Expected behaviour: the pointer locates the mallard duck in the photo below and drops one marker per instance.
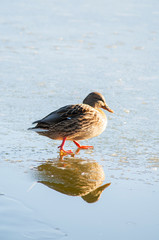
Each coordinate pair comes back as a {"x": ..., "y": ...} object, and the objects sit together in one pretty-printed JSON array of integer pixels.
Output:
[{"x": 75, "y": 122}]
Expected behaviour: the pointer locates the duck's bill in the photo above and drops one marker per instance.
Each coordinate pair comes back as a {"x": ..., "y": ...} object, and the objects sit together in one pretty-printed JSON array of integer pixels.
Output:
[{"x": 107, "y": 108}]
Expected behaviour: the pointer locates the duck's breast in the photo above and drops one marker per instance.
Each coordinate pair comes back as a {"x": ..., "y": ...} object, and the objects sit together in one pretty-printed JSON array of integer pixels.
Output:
[
  {"x": 101, "y": 122},
  {"x": 95, "y": 126}
]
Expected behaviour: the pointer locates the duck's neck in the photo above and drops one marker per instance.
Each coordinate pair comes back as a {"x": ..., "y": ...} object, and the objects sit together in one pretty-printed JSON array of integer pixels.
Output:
[{"x": 100, "y": 110}]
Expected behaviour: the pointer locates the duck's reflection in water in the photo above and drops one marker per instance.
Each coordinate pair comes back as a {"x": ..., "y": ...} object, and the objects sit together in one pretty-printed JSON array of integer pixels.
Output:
[{"x": 74, "y": 177}]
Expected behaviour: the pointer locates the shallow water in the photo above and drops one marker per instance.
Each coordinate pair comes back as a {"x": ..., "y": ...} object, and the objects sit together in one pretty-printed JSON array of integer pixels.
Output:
[{"x": 54, "y": 53}]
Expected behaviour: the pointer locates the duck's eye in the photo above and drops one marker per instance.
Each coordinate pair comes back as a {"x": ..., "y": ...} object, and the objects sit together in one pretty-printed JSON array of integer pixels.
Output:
[{"x": 101, "y": 102}]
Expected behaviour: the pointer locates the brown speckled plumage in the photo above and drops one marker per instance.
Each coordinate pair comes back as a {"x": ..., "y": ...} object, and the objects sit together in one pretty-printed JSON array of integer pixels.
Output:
[{"x": 75, "y": 122}]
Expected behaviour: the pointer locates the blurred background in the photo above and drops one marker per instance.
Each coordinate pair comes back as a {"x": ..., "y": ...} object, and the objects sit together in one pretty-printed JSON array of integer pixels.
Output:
[{"x": 53, "y": 53}]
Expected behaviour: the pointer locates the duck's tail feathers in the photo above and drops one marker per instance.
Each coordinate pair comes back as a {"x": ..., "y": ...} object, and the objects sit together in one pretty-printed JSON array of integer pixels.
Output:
[
  {"x": 40, "y": 127},
  {"x": 36, "y": 129}
]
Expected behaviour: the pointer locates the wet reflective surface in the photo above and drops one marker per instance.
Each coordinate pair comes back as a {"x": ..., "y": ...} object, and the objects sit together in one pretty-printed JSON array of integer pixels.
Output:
[
  {"x": 54, "y": 53},
  {"x": 74, "y": 177}
]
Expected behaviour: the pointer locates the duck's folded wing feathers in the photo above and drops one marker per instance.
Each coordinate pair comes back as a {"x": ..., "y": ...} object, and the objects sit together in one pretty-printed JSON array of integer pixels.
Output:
[{"x": 64, "y": 113}]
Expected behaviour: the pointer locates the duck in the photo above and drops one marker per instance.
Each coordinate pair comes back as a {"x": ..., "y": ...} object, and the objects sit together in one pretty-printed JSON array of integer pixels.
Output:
[{"x": 75, "y": 122}]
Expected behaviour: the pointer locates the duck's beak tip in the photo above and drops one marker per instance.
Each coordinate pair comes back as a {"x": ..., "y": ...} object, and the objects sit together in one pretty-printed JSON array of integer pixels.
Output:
[{"x": 108, "y": 109}]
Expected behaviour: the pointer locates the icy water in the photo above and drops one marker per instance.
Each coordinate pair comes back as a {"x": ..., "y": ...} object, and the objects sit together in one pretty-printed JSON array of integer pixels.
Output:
[{"x": 54, "y": 53}]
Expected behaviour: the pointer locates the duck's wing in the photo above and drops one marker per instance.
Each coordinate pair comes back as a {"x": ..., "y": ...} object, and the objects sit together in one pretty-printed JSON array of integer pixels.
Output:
[{"x": 62, "y": 114}]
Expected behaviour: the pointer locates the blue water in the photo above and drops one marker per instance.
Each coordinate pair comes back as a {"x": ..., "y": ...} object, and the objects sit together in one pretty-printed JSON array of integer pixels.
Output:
[{"x": 54, "y": 53}]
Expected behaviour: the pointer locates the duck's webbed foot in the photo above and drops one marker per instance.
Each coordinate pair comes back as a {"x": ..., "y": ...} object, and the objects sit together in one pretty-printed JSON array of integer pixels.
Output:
[
  {"x": 82, "y": 147},
  {"x": 62, "y": 151}
]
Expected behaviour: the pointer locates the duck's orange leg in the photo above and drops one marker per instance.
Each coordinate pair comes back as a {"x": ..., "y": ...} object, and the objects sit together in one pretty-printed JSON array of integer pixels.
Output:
[
  {"x": 61, "y": 147},
  {"x": 82, "y": 147}
]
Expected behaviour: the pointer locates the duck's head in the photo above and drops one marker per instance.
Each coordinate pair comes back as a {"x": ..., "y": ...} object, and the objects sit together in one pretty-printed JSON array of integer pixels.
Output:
[{"x": 97, "y": 100}]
